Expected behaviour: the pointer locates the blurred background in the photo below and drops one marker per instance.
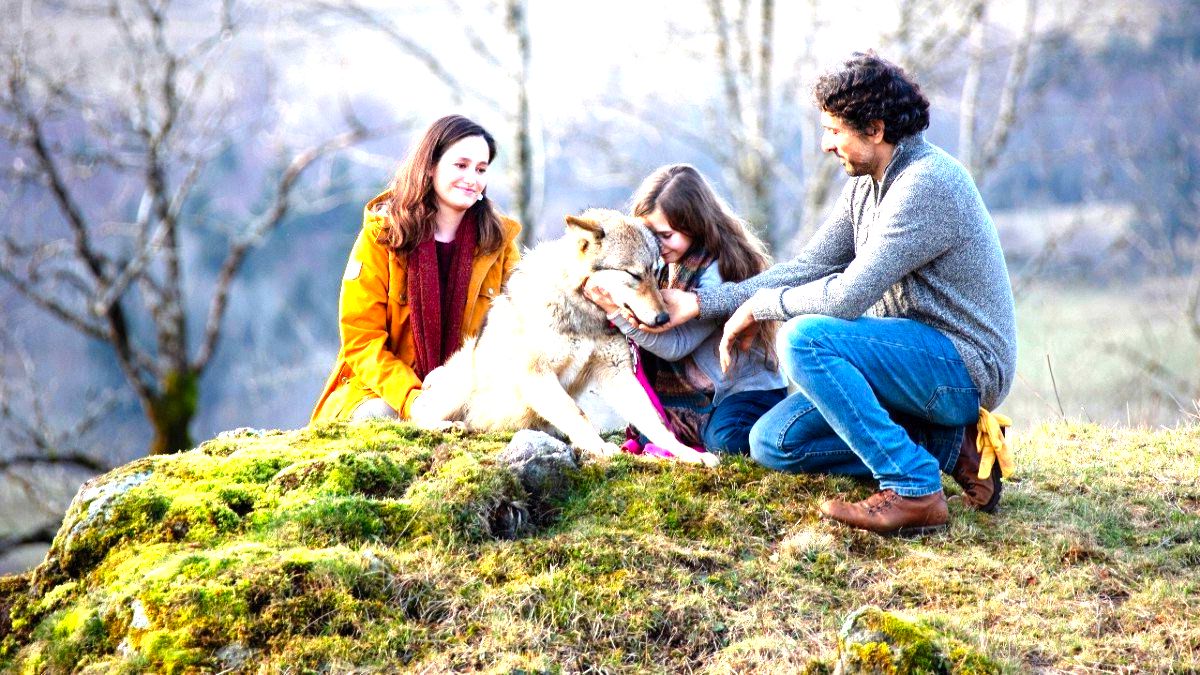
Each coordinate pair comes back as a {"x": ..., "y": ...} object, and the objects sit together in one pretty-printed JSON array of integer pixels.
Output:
[{"x": 180, "y": 184}]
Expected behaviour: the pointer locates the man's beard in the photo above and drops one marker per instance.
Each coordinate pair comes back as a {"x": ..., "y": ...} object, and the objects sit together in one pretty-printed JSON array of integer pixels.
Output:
[{"x": 855, "y": 169}]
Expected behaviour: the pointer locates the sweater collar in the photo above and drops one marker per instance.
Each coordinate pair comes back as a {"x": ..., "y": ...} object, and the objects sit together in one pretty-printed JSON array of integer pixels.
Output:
[{"x": 907, "y": 149}]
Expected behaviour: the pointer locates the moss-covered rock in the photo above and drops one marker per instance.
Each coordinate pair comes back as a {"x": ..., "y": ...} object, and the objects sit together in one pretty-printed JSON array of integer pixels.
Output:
[
  {"x": 873, "y": 641},
  {"x": 255, "y": 544},
  {"x": 379, "y": 548}
]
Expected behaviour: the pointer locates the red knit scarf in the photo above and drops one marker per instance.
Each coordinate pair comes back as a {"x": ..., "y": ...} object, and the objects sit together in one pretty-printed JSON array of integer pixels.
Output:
[{"x": 434, "y": 336}]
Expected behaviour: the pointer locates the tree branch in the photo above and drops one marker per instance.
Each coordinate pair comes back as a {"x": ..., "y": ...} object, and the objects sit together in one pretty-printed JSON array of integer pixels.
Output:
[
  {"x": 42, "y": 535},
  {"x": 1193, "y": 311},
  {"x": 733, "y": 102},
  {"x": 356, "y": 12},
  {"x": 77, "y": 459},
  {"x": 968, "y": 103},
  {"x": 258, "y": 232},
  {"x": 1007, "y": 116}
]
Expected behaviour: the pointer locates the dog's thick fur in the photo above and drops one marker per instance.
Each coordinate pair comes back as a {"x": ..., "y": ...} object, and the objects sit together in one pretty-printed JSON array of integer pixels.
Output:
[{"x": 545, "y": 343}]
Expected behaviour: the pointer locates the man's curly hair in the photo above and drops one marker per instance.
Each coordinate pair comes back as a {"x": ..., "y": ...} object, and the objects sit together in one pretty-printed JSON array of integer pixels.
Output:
[{"x": 870, "y": 88}]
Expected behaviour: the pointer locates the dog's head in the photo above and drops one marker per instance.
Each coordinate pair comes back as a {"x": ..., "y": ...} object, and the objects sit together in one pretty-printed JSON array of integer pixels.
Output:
[{"x": 623, "y": 256}]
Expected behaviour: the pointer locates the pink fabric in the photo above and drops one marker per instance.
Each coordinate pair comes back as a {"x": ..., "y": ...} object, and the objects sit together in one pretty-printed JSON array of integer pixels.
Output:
[{"x": 632, "y": 445}]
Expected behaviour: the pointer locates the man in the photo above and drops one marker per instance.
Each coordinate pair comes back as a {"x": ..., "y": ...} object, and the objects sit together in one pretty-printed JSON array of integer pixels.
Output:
[{"x": 899, "y": 315}]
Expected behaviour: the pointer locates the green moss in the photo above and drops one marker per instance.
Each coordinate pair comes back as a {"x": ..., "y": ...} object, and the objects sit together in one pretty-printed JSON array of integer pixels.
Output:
[
  {"x": 376, "y": 547},
  {"x": 875, "y": 641},
  {"x": 326, "y": 520},
  {"x": 370, "y": 473},
  {"x": 130, "y": 517},
  {"x": 73, "y": 637},
  {"x": 465, "y": 500}
]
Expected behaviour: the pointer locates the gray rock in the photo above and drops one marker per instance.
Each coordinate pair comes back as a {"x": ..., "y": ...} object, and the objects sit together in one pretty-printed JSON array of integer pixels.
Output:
[
  {"x": 234, "y": 655},
  {"x": 139, "y": 620},
  {"x": 241, "y": 432},
  {"x": 540, "y": 461},
  {"x": 98, "y": 493}
]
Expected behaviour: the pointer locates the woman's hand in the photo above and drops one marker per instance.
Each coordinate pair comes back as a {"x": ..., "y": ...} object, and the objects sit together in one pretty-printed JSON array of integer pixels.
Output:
[
  {"x": 740, "y": 327},
  {"x": 683, "y": 306}
]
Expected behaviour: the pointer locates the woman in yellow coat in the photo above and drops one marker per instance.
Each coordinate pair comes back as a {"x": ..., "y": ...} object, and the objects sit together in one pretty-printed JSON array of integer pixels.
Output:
[{"x": 431, "y": 256}]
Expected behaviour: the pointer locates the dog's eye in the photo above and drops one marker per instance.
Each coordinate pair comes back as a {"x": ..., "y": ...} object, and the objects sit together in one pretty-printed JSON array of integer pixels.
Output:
[{"x": 635, "y": 275}]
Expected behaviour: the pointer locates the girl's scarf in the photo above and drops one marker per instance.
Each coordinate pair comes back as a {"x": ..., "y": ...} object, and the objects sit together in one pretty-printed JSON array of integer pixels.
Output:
[
  {"x": 685, "y": 392},
  {"x": 437, "y": 336}
]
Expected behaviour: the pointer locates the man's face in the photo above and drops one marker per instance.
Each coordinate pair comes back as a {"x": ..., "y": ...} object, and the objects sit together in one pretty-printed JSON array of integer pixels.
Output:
[{"x": 858, "y": 154}]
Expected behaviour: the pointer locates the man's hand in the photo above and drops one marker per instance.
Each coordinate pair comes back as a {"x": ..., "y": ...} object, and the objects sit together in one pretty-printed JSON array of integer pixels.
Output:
[
  {"x": 740, "y": 327},
  {"x": 683, "y": 306}
]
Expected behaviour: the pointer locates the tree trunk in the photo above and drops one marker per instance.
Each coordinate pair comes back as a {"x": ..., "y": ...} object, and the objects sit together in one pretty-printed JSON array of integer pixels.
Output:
[
  {"x": 171, "y": 413},
  {"x": 523, "y": 137}
]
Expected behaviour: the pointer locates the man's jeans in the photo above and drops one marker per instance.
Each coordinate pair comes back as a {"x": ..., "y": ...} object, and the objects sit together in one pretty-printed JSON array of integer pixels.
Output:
[{"x": 886, "y": 398}]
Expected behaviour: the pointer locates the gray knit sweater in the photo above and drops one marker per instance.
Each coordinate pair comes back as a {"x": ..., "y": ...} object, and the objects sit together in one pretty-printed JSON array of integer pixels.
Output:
[{"x": 920, "y": 245}]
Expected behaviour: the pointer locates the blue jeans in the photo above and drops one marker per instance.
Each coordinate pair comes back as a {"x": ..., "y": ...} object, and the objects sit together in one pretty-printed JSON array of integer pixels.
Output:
[
  {"x": 728, "y": 429},
  {"x": 886, "y": 398}
]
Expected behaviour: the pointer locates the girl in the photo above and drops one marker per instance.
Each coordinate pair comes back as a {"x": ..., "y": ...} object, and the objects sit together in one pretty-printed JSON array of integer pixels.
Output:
[
  {"x": 431, "y": 255},
  {"x": 703, "y": 244}
]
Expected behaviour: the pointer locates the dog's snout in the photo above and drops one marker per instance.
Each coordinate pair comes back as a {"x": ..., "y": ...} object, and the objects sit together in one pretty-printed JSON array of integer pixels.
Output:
[{"x": 662, "y": 318}]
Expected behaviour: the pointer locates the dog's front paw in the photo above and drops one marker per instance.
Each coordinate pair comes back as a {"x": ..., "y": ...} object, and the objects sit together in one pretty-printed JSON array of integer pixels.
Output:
[
  {"x": 443, "y": 426},
  {"x": 708, "y": 459},
  {"x": 604, "y": 449}
]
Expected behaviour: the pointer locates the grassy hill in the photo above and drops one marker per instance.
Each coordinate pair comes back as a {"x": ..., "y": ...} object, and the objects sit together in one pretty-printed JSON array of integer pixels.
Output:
[{"x": 379, "y": 548}]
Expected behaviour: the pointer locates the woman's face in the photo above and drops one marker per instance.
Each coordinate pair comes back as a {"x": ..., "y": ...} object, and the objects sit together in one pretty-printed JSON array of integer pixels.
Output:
[
  {"x": 461, "y": 174},
  {"x": 674, "y": 244}
]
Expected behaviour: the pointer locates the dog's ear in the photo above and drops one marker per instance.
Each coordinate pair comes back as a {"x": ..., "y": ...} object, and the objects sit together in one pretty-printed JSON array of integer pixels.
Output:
[
  {"x": 591, "y": 231},
  {"x": 587, "y": 224}
]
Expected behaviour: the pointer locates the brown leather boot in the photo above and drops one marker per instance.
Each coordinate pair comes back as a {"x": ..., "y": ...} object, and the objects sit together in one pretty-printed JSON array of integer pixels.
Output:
[
  {"x": 886, "y": 512},
  {"x": 981, "y": 494}
]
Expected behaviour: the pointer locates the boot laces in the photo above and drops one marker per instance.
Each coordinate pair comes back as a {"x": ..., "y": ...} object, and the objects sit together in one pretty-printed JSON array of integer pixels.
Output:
[{"x": 881, "y": 501}]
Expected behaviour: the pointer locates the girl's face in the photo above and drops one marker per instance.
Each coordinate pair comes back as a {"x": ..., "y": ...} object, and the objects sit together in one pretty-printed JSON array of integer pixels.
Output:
[
  {"x": 674, "y": 244},
  {"x": 461, "y": 174}
]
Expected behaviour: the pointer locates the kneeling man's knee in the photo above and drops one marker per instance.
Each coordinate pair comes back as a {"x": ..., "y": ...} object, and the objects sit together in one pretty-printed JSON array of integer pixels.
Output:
[
  {"x": 764, "y": 445},
  {"x": 797, "y": 334}
]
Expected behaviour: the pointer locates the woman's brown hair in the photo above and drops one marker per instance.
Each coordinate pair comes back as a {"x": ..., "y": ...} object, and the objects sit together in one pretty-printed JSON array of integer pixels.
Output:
[
  {"x": 413, "y": 203},
  {"x": 692, "y": 207}
]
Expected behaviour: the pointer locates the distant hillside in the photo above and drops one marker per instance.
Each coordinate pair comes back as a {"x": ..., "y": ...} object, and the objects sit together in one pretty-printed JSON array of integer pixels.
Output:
[{"x": 379, "y": 548}]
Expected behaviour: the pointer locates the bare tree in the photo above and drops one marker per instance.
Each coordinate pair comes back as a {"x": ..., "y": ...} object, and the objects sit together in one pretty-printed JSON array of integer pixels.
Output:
[
  {"x": 26, "y": 423},
  {"x": 981, "y": 157},
  {"x": 745, "y": 58},
  {"x": 511, "y": 67},
  {"x": 524, "y": 185},
  {"x": 155, "y": 133}
]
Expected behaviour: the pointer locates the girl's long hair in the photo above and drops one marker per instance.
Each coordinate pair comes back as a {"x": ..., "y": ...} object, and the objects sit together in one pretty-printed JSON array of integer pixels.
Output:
[
  {"x": 413, "y": 203},
  {"x": 692, "y": 207}
]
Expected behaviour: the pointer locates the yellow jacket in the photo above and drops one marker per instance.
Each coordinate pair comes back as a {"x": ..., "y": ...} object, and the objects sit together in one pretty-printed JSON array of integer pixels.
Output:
[{"x": 377, "y": 354}]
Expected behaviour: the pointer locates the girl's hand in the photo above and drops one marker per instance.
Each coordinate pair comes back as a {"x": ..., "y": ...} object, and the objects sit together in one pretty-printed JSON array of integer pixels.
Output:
[
  {"x": 741, "y": 328},
  {"x": 683, "y": 306},
  {"x": 601, "y": 297}
]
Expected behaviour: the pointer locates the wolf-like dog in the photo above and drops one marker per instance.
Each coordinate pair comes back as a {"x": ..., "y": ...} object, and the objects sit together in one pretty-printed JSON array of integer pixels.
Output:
[{"x": 545, "y": 343}]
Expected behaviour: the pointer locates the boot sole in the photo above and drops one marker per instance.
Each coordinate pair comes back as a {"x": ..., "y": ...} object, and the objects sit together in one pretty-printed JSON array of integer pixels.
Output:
[{"x": 906, "y": 532}]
